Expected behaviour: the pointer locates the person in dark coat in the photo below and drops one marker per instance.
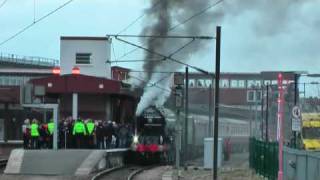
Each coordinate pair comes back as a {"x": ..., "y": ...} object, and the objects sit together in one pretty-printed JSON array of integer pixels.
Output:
[
  {"x": 123, "y": 133},
  {"x": 100, "y": 135},
  {"x": 109, "y": 131},
  {"x": 26, "y": 134}
]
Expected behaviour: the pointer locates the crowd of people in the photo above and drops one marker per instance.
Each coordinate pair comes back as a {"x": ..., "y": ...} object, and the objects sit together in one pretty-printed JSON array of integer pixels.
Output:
[{"x": 73, "y": 134}]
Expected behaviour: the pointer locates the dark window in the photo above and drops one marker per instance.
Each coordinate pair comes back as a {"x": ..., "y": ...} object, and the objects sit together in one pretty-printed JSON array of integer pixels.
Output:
[
  {"x": 250, "y": 96},
  {"x": 83, "y": 58}
]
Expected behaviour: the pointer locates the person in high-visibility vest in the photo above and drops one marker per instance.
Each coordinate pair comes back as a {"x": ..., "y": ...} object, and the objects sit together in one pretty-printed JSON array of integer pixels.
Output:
[
  {"x": 34, "y": 128},
  {"x": 91, "y": 131},
  {"x": 50, "y": 132},
  {"x": 79, "y": 131}
]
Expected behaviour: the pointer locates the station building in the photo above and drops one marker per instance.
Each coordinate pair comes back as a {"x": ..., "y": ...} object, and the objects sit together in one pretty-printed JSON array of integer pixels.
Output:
[{"x": 81, "y": 84}]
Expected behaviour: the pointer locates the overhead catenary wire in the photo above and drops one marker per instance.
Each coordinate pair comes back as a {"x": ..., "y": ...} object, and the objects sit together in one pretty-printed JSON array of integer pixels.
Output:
[
  {"x": 134, "y": 22},
  {"x": 155, "y": 60},
  {"x": 161, "y": 55},
  {"x": 137, "y": 19},
  {"x": 3, "y": 3},
  {"x": 135, "y": 60},
  {"x": 202, "y": 11},
  {"x": 35, "y": 22},
  {"x": 151, "y": 84}
]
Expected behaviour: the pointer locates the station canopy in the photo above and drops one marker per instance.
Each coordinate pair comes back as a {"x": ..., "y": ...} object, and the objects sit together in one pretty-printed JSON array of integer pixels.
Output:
[{"x": 79, "y": 83}]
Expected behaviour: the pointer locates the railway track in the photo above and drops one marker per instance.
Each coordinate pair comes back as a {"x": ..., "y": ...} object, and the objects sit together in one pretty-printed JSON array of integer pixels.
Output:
[
  {"x": 138, "y": 171},
  {"x": 121, "y": 173}
]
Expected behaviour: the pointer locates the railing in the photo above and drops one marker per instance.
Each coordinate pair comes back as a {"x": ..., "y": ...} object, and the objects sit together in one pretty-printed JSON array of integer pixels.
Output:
[
  {"x": 28, "y": 60},
  {"x": 263, "y": 158}
]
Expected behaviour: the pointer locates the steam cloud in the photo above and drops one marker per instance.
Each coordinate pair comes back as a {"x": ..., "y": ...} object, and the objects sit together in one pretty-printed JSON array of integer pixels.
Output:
[
  {"x": 271, "y": 17},
  {"x": 161, "y": 17}
]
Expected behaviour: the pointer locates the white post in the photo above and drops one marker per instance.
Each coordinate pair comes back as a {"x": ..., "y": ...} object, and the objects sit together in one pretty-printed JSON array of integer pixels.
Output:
[
  {"x": 55, "y": 132},
  {"x": 108, "y": 109},
  {"x": 75, "y": 105}
]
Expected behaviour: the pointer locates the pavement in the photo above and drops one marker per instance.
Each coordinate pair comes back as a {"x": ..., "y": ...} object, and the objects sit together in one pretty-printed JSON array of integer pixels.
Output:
[{"x": 237, "y": 168}]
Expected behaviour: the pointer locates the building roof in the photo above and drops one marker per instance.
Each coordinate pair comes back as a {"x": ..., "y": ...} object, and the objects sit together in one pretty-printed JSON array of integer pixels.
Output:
[
  {"x": 78, "y": 84},
  {"x": 84, "y": 38}
]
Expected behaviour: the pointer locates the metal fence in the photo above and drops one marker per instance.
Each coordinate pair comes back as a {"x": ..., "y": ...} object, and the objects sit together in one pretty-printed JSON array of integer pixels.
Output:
[
  {"x": 28, "y": 60},
  {"x": 300, "y": 164},
  {"x": 263, "y": 158}
]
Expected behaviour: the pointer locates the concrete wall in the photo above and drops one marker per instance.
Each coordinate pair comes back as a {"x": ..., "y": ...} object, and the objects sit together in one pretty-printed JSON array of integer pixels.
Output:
[
  {"x": 98, "y": 47},
  {"x": 300, "y": 164}
]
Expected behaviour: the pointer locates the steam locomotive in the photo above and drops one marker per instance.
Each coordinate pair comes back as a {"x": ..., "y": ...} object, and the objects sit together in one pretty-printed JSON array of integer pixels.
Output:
[{"x": 150, "y": 142}]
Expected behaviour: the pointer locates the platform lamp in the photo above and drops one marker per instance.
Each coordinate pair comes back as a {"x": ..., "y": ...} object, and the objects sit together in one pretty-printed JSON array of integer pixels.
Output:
[
  {"x": 75, "y": 70},
  {"x": 56, "y": 71}
]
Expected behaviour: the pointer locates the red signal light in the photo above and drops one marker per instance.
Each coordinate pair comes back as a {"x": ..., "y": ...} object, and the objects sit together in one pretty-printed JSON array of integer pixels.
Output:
[
  {"x": 56, "y": 70},
  {"x": 76, "y": 70}
]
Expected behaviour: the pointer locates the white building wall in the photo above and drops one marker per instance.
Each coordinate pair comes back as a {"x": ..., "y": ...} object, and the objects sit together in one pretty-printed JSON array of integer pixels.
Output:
[{"x": 99, "y": 47}]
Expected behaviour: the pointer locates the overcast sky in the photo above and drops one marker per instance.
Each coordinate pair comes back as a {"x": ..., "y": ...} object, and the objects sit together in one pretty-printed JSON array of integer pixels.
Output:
[{"x": 257, "y": 35}]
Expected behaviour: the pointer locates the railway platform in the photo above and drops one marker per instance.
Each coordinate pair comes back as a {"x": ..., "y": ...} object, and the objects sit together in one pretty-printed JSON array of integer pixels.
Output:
[{"x": 73, "y": 162}]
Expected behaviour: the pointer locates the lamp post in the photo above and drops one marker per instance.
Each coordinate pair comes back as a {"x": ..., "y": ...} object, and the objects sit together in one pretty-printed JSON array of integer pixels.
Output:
[
  {"x": 216, "y": 104},
  {"x": 280, "y": 124}
]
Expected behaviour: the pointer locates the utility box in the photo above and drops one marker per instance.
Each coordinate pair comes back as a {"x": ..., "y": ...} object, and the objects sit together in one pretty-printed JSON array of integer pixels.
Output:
[{"x": 208, "y": 153}]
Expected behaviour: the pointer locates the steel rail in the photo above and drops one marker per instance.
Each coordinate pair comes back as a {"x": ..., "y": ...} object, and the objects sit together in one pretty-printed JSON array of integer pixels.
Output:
[
  {"x": 138, "y": 171},
  {"x": 105, "y": 172}
]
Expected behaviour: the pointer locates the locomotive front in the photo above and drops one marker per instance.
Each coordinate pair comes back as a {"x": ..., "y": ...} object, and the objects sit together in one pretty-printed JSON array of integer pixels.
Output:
[{"x": 149, "y": 141}]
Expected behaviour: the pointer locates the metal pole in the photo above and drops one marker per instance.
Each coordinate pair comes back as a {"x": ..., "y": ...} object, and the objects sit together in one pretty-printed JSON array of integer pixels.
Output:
[
  {"x": 55, "y": 132},
  {"x": 186, "y": 115},
  {"x": 250, "y": 122},
  {"x": 256, "y": 115},
  {"x": 178, "y": 140},
  {"x": 216, "y": 104},
  {"x": 210, "y": 111},
  {"x": 280, "y": 125},
  {"x": 262, "y": 109},
  {"x": 267, "y": 114},
  {"x": 296, "y": 77}
]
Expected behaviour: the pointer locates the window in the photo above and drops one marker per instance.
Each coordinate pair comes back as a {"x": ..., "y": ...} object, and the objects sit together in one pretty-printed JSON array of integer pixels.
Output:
[
  {"x": 200, "y": 83},
  {"x": 254, "y": 83},
  {"x": 12, "y": 81},
  {"x": 267, "y": 82},
  {"x": 242, "y": 84},
  {"x": 224, "y": 83},
  {"x": 238, "y": 84},
  {"x": 6, "y": 81},
  {"x": 208, "y": 82},
  {"x": 191, "y": 83},
  {"x": 83, "y": 58},
  {"x": 251, "y": 83},
  {"x": 254, "y": 96},
  {"x": 250, "y": 96},
  {"x": 274, "y": 82},
  {"x": 234, "y": 84},
  {"x": 258, "y": 95},
  {"x": 258, "y": 83}
]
